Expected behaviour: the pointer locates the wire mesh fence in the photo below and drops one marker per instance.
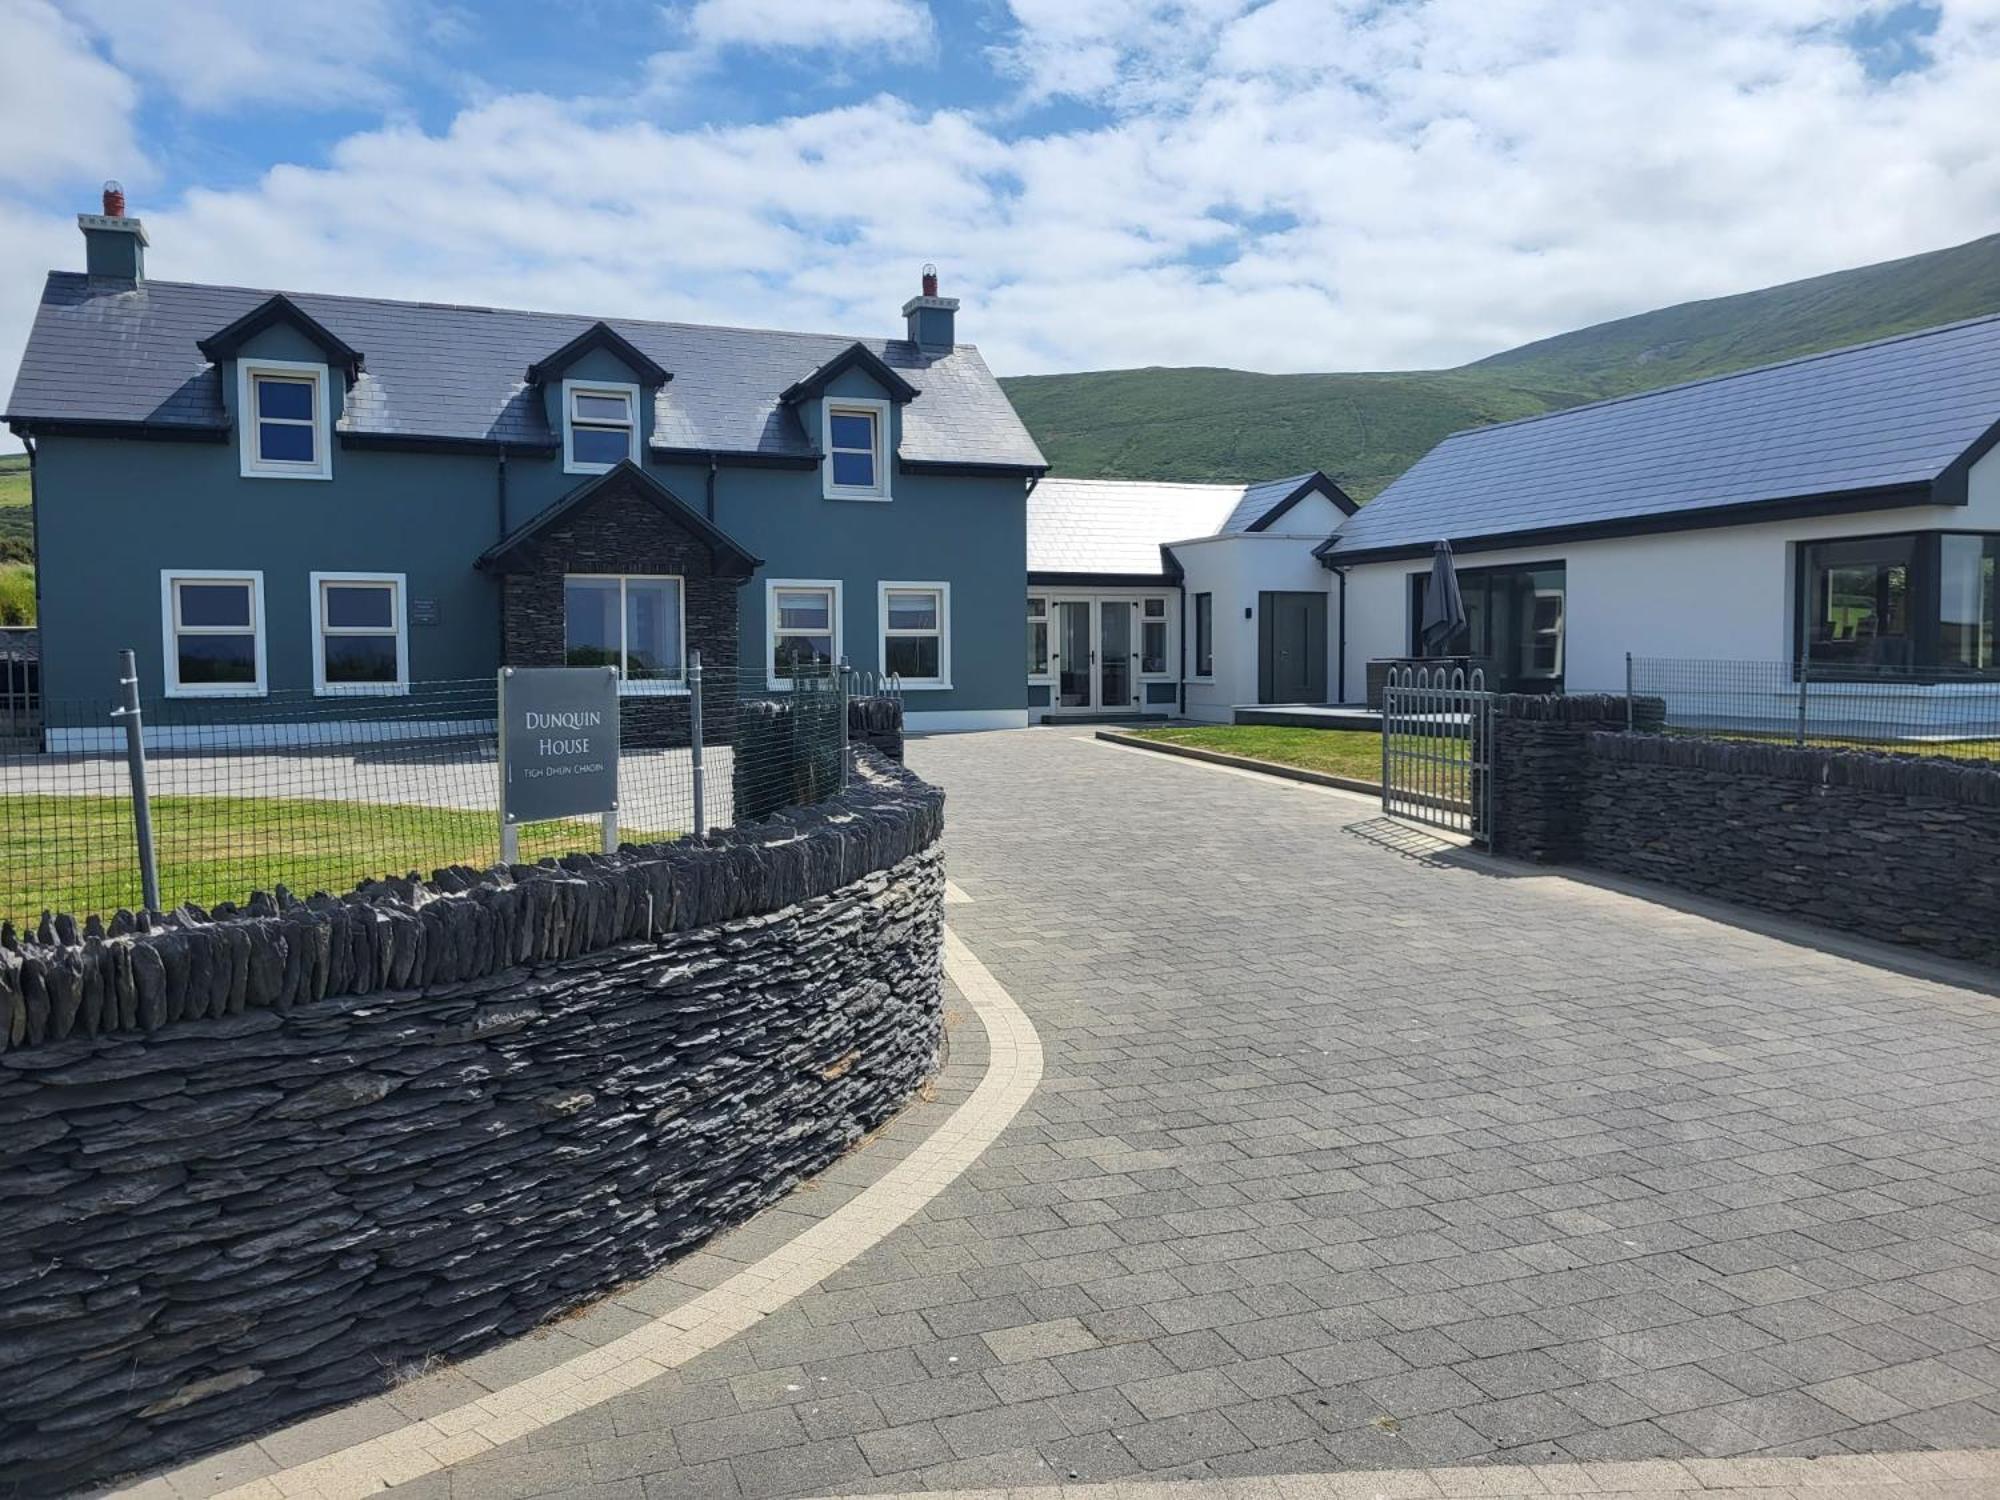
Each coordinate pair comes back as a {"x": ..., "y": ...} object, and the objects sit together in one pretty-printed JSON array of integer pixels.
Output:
[
  {"x": 321, "y": 791},
  {"x": 1897, "y": 709}
]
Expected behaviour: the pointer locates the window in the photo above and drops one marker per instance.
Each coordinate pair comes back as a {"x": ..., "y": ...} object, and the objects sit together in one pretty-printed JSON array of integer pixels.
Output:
[
  {"x": 1513, "y": 627},
  {"x": 282, "y": 410},
  {"x": 213, "y": 624},
  {"x": 1152, "y": 638},
  {"x": 1204, "y": 635},
  {"x": 916, "y": 633},
  {"x": 802, "y": 627},
  {"x": 359, "y": 644},
  {"x": 1917, "y": 600},
  {"x": 856, "y": 465},
  {"x": 1038, "y": 636},
  {"x": 600, "y": 426},
  {"x": 628, "y": 621}
]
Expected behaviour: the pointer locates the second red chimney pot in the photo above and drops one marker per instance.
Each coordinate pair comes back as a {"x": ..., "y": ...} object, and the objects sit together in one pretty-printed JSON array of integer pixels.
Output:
[
  {"x": 114, "y": 201},
  {"x": 930, "y": 281}
]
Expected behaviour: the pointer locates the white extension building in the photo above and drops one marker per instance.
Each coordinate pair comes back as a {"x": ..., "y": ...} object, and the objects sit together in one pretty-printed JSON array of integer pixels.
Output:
[
  {"x": 1156, "y": 599},
  {"x": 1840, "y": 510}
]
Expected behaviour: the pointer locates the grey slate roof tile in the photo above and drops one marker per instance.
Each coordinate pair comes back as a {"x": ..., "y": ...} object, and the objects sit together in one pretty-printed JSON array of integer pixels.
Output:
[
  {"x": 435, "y": 370},
  {"x": 1894, "y": 412},
  {"x": 1119, "y": 525}
]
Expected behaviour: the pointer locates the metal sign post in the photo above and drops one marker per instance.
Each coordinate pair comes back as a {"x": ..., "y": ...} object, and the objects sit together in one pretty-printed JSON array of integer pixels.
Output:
[{"x": 558, "y": 750}]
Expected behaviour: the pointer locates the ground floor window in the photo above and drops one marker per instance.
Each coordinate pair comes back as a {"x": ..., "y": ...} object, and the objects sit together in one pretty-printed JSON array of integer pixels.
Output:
[
  {"x": 1204, "y": 635},
  {"x": 359, "y": 643},
  {"x": 213, "y": 625},
  {"x": 1907, "y": 601},
  {"x": 916, "y": 633},
  {"x": 1513, "y": 624},
  {"x": 801, "y": 627},
  {"x": 1038, "y": 636},
  {"x": 632, "y": 622}
]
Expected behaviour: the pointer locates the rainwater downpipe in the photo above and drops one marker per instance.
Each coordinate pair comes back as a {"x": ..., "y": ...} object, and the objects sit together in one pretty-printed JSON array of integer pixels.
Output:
[
  {"x": 1340, "y": 668},
  {"x": 500, "y": 520},
  {"x": 711, "y": 489}
]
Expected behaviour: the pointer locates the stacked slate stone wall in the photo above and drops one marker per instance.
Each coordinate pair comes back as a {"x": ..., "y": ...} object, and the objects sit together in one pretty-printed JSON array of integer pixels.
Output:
[
  {"x": 255, "y": 1162},
  {"x": 1899, "y": 848},
  {"x": 877, "y": 723},
  {"x": 1541, "y": 766}
]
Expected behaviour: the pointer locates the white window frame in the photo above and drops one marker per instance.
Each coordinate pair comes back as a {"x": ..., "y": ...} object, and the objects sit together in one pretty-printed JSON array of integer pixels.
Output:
[
  {"x": 1166, "y": 624},
  {"x": 255, "y": 466},
  {"x": 943, "y": 631},
  {"x": 829, "y": 586},
  {"x": 400, "y": 617},
  {"x": 834, "y": 406},
  {"x": 573, "y": 388},
  {"x": 1047, "y": 622},
  {"x": 170, "y": 632},
  {"x": 1194, "y": 628},
  {"x": 644, "y": 687}
]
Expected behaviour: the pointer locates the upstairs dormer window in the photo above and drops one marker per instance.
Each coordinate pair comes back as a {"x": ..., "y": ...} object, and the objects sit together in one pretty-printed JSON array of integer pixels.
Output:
[
  {"x": 600, "y": 426},
  {"x": 856, "y": 446},
  {"x": 285, "y": 428}
]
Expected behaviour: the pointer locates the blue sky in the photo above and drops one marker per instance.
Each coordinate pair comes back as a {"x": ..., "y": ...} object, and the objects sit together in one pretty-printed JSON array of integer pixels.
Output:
[{"x": 1269, "y": 184}]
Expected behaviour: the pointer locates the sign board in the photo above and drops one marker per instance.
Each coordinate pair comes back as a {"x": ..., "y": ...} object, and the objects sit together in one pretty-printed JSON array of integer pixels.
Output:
[
  {"x": 558, "y": 743},
  {"x": 425, "y": 612}
]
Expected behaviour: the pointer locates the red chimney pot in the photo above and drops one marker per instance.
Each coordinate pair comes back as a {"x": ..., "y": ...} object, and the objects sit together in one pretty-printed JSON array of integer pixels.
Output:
[
  {"x": 930, "y": 280},
  {"x": 114, "y": 201}
]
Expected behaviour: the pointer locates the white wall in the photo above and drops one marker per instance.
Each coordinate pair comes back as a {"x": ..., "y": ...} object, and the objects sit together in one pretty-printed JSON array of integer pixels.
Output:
[
  {"x": 1235, "y": 569},
  {"x": 1724, "y": 593}
]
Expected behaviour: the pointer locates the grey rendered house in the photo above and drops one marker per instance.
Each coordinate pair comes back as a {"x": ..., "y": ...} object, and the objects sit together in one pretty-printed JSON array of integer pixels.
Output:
[{"x": 267, "y": 493}]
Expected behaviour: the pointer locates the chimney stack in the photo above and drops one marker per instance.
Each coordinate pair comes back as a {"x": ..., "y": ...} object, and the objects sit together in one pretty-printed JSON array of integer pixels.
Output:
[
  {"x": 114, "y": 246},
  {"x": 932, "y": 319}
]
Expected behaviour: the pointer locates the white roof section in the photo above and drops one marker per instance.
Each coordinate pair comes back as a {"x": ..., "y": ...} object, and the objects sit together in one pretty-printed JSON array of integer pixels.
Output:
[{"x": 1119, "y": 525}]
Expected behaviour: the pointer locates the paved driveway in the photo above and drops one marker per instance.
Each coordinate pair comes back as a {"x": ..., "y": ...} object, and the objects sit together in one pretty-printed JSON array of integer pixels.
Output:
[{"x": 1354, "y": 1154}]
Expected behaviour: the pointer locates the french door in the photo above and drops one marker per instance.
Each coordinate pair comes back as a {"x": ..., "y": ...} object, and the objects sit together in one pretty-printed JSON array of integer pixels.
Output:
[{"x": 1093, "y": 655}]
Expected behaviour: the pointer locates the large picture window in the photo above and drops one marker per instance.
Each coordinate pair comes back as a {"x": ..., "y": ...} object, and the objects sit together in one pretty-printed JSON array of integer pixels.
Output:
[
  {"x": 916, "y": 633},
  {"x": 213, "y": 624},
  {"x": 1513, "y": 624},
  {"x": 629, "y": 621},
  {"x": 802, "y": 628},
  {"x": 1909, "y": 602}
]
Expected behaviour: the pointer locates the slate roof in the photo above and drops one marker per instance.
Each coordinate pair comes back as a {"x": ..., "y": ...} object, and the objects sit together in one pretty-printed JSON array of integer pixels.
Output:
[
  {"x": 1897, "y": 413},
  {"x": 1119, "y": 525},
  {"x": 435, "y": 370}
]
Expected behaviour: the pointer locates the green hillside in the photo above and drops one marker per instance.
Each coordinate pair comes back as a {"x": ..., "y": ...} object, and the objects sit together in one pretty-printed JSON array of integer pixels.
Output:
[{"x": 1365, "y": 429}]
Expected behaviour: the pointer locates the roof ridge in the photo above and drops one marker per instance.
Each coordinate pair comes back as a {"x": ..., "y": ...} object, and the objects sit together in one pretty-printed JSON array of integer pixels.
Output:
[
  {"x": 1687, "y": 385},
  {"x": 524, "y": 312},
  {"x": 1179, "y": 484}
]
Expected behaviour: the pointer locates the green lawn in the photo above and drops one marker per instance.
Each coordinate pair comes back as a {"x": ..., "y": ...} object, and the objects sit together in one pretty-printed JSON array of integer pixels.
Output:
[
  {"x": 77, "y": 854},
  {"x": 1338, "y": 752}
]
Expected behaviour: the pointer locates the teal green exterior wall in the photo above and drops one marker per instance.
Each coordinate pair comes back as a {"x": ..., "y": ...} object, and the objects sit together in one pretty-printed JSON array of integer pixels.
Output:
[{"x": 115, "y": 513}]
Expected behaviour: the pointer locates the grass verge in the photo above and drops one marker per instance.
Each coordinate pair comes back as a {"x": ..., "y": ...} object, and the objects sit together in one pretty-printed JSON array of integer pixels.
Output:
[
  {"x": 1356, "y": 753},
  {"x": 77, "y": 854}
]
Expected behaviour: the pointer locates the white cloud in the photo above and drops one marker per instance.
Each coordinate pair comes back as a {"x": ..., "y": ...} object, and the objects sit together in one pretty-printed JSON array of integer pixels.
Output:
[
  {"x": 64, "y": 111},
  {"x": 888, "y": 28},
  {"x": 220, "y": 54}
]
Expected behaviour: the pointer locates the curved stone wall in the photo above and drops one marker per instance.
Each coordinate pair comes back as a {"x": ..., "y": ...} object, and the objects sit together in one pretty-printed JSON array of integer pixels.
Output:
[{"x": 252, "y": 1164}]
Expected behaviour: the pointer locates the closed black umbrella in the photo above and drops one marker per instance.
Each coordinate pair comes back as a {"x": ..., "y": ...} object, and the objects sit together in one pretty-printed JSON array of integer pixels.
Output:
[{"x": 1444, "y": 607}]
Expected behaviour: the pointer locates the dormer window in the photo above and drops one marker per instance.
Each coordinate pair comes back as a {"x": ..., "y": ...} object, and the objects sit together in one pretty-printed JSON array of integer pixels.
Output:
[
  {"x": 855, "y": 442},
  {"x": 600, "y": 426},
  {"x": 284, "y": 421}
]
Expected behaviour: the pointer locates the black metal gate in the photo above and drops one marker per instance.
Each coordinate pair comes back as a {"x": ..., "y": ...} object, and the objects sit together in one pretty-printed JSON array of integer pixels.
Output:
[{"x": 1437, "y": 755}]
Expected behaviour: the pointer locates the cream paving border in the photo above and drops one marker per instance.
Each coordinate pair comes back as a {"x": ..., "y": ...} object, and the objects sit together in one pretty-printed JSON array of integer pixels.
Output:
[
  {"x": 1963, "y": 1475},
  {"x": 673, "y": 1337}
]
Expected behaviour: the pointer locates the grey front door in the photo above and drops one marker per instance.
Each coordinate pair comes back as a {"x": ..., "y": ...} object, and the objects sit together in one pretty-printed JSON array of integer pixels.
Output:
[{"x": 1291, "y": 648}]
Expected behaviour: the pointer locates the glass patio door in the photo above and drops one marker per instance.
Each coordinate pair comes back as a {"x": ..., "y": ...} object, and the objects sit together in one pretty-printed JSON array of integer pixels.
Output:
[
  {"x": 1114, "y": 654},
  {"x": 1075, "y": 662}
]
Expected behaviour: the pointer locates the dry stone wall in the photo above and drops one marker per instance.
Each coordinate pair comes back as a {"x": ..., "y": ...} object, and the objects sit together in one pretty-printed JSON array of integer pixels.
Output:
[{"x": 255, "y": 1163}]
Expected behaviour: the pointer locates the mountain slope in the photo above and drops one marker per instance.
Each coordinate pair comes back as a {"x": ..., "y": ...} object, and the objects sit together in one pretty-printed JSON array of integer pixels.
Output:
[{"x": 1364, "y": 429}]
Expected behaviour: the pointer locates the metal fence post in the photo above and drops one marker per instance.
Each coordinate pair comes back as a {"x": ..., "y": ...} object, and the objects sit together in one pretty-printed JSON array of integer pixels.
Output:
[
  {"x": 135, "y": 762},
  {"x": 1805, "y": 675},
  {"x": 510, "y": 832},
  {"x": 609, "y": 820},
  {"x": 843, "y": 669},
  {"x": 1630, "y": 719},
  {"x": 694, "y": 744}
]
